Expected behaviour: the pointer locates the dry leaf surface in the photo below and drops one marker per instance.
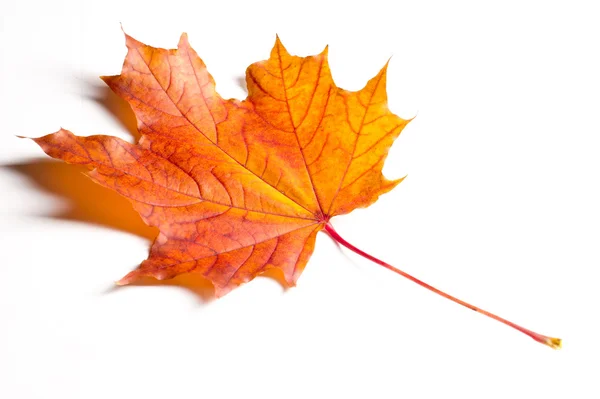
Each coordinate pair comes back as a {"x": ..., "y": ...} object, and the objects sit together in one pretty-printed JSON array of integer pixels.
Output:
[{"x": 238, "y": 187}]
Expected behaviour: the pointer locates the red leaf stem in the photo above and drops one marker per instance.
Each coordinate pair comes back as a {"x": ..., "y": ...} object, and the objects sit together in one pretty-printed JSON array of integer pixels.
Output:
[{"x": 554, "y": 343}]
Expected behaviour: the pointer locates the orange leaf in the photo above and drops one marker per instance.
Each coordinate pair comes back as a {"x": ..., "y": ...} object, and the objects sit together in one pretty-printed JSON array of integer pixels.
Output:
[{"x": 238, "y": 187}]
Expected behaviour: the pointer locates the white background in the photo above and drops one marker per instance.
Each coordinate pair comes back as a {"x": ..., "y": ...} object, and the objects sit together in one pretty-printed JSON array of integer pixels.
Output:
[{"x": 500, "y": 208}]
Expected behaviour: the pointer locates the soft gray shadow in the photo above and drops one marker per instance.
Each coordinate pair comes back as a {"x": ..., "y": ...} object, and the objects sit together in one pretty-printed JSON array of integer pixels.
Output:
[
  {"x": 115, "y": 106},
  {"x": 196, "y": 284},
  {"x": 241, "y": 82},
  {"x": 89, "y": 202},
  {"x": 86, "y": 201}
]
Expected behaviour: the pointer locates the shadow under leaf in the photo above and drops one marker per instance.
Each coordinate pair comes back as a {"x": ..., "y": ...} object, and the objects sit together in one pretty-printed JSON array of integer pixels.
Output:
[
  {"x": 86, "y": 201},
  {"x": 89, "y": 202},
  {"x": 194, "y": 283},
  {"x": 117, "y": 107},
  {"x": 241, "y": 82}
]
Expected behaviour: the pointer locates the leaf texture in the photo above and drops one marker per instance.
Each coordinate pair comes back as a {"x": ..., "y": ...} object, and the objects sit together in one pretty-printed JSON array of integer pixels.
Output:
[{"x": 238, "y": 187}]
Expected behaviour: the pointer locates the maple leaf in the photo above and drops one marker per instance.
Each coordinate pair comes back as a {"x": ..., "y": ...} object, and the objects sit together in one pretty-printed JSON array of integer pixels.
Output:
[{"x": 240, "y": 187}]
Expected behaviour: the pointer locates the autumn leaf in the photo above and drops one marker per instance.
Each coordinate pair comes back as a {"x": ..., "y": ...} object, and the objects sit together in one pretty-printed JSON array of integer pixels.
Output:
[{"x": 240, "y": 187}]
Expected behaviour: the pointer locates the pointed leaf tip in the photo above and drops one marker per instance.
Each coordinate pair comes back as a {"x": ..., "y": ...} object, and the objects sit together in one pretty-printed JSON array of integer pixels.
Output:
[
  {"x": 121, "y": 282},
  {"x": 387, "y": 63},
  {"x": 183, "y": 40},
  {"x": 278, "y": 48}
]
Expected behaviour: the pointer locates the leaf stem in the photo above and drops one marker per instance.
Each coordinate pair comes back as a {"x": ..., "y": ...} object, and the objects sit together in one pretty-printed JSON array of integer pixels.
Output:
[{"x": 554, "y": 343}]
